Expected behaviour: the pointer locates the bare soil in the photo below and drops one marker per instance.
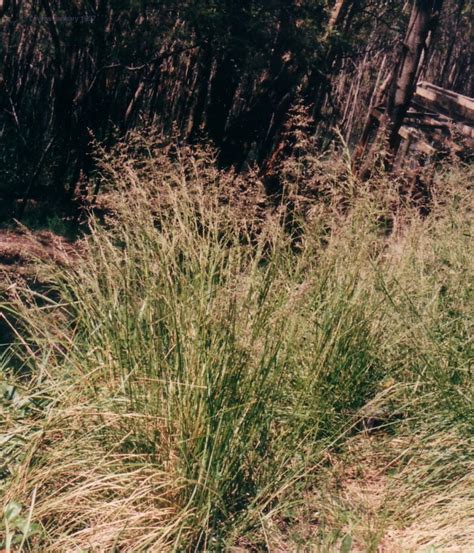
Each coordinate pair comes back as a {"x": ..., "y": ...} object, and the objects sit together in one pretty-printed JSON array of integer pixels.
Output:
[
  {"x": 22, "y": 253},
  {"x": 21, "y": 250}
]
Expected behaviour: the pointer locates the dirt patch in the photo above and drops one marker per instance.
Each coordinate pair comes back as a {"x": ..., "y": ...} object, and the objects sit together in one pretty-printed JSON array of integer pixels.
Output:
[
  {"x": 21, "y": 250},
  {"x": 22, "y": 253}
]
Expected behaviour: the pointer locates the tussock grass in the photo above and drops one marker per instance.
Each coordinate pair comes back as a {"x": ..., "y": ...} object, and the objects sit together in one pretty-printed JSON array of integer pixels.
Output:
[{"x": 195, "y": 381}]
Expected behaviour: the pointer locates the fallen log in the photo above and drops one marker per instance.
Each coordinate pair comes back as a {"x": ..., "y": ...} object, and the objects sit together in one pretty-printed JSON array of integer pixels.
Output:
[{"x": 445, "y": 101}]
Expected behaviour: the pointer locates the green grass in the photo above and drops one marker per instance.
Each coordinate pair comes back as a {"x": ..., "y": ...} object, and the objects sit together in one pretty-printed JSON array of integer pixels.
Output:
[{"x": 199, "y": 379}]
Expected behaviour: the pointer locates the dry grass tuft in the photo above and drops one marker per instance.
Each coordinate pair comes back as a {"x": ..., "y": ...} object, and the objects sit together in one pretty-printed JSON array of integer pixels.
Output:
[{"x": 216, "y": 374}]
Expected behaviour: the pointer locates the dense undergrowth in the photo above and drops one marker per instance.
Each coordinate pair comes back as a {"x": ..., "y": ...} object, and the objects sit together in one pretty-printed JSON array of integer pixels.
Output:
[{"x": 203, "y": 379}]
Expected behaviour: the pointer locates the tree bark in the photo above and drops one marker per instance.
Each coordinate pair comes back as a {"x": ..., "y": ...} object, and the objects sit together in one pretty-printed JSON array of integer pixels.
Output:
[{"x": 423, "y": 19}]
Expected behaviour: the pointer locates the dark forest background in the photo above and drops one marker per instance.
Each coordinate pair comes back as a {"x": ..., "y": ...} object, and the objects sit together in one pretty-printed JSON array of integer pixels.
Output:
[{"x": 224, "y": 71}]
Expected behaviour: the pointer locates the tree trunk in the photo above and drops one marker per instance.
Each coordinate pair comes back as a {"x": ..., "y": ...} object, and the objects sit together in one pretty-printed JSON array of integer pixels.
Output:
[
  {"x": 318, "y": 86},
  {"x": 448, "y": 61},
  {"x": 424, "y": 18},
  {"x": 338, "y": 13},
  {"x": 4, "y": 4}
]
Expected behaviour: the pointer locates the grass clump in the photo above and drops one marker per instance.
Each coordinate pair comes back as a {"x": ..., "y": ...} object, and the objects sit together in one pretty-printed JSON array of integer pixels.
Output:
[{"x": 200, "y": 376}]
